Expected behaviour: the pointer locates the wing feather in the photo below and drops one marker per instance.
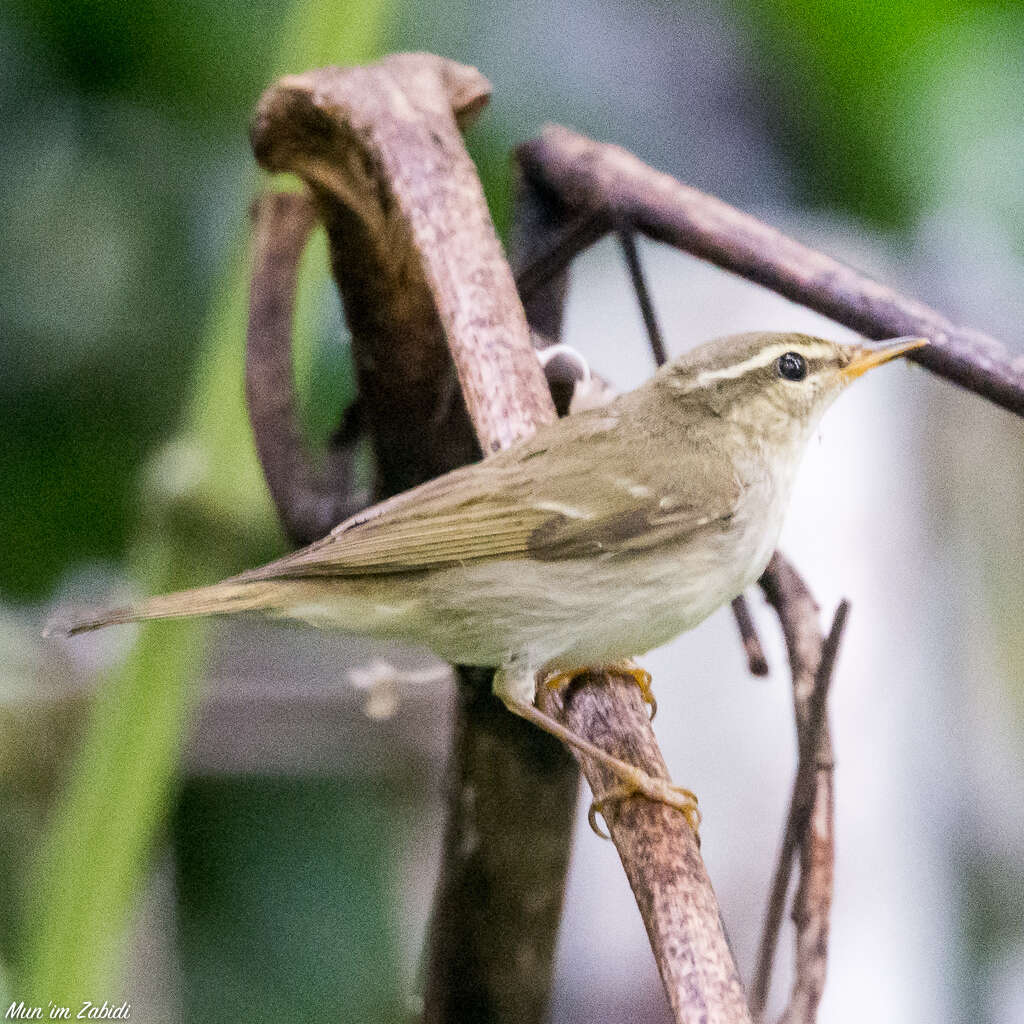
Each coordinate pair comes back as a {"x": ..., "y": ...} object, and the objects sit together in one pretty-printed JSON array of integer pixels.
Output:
[{"x": 539, "y": 500}]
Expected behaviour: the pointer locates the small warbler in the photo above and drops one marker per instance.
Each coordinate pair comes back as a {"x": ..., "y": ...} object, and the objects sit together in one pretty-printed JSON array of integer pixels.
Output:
[{"x": 604, "y": 535}]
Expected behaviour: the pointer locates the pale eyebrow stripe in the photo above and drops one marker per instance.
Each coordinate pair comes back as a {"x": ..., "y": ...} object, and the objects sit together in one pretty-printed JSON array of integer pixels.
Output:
[{"x": 757, "y": 362}]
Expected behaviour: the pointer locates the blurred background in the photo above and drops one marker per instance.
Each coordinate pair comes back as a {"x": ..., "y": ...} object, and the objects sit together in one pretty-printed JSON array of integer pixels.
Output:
[{"x": 212, "y": 822}]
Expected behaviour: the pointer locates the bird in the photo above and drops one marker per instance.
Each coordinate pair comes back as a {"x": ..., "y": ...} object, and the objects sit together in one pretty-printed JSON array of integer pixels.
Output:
[{"x": 602, "y": 536}]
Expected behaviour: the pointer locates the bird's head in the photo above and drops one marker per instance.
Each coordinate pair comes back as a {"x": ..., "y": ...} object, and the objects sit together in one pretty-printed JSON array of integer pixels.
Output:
[{"x": 776, "y": 385}]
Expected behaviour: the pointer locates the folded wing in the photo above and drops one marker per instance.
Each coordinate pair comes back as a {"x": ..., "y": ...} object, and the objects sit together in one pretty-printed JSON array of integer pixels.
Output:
[{"x": 543, "y": 500}]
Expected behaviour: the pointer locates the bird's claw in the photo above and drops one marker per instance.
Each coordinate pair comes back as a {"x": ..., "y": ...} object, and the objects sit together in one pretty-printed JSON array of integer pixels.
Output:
[
  {"x": 658, "y": 790},
  {"x": 639, "y": 675},
  {"x": 642, "y": 678}
]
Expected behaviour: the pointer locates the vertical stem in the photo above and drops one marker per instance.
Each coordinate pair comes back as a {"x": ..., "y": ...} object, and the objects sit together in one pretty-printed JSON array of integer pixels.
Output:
[
  {"x": 627, "y": 240},
  {"x": 512, "y": 794}
]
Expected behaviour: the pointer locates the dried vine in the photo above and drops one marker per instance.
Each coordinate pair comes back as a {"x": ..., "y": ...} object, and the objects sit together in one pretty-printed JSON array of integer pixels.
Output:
[{"x": 418, "y": 265}]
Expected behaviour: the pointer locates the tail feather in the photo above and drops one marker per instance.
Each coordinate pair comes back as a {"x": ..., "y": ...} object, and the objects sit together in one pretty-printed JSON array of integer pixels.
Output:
[{"x": 218, "y": 599}]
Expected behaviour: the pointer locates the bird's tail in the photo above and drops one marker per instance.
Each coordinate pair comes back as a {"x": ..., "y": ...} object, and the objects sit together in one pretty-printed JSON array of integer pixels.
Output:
[{"x": 218, "y": 599}]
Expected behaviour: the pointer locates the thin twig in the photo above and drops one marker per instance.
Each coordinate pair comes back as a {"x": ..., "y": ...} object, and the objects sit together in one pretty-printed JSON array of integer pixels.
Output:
[
  {"x": 816, "y": 702},
  {"x": 560, "y": 248},
  {"x": 612, "y": 185},
  {"x": 809, "y": 822},
  {"x": 757, "y": 663},
  {"x": 812, "y": 903},
  {"x": 627, "y": 241}
]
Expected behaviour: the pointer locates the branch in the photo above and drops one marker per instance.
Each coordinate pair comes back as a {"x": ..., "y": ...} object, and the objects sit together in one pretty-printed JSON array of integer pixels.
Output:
[
  {"x": 660, "y": 854},
  {"x": 627, "y": 241},
  {"x": 309, "y": 503},
  {"x": 659, "y": 851},
  {"x": 812, "y": 904},
  {"x": 602, "y": 185},
  {"x": 413, "y": 412},
  {"x": 416, "y": 260},
  {"x": 757, "y": 663},
  {"x": 809, "y": 827}
]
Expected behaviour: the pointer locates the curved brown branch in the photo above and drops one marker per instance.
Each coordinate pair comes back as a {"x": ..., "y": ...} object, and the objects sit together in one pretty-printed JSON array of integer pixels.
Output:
[
  {"x": 323, "y": 126},
  {"x": 308, "y": 502},
  {"x": 380, "y": 148},
  {"x": 416, "y": 259},
  {"x": 809, "y": 829},
  {"x": 611, "y": 185}
]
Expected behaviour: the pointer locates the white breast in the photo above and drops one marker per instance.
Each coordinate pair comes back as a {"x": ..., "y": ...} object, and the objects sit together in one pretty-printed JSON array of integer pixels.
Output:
[{"x": 569, "y": 614}]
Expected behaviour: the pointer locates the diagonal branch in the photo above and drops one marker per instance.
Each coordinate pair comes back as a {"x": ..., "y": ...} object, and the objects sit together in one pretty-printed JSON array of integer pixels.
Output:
[
  {"x": 660, "y": 854},
  {"x": 809, "y": 829},
  {"x": 609, "y": 185}
]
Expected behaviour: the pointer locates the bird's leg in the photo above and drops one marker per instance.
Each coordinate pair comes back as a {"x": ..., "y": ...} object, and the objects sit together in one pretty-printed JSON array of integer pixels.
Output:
[
  {"x": 515, "y": 691},
  {"x": 633, "y": 781},
  {"x": 626, "y": 667}
]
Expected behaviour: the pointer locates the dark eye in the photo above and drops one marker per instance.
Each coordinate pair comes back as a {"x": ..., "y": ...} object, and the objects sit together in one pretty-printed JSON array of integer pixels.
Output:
[{"x": 792, "y": 366}]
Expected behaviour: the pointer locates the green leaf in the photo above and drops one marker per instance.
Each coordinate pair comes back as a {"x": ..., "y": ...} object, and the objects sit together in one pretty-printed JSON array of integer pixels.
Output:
[{"x": 204, "y": 487}]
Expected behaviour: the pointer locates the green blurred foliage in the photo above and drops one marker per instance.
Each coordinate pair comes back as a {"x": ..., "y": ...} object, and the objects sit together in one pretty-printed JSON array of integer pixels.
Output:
[
  {"x": 880, "y": 105},
  {"x": 122, "y": 284},
  {"x": 125, "y": 160},
  {"x": 187, "y": 518},
  {"x": 197, "y": 61},
  {"x": 317, "y": 932},
  {"x": 128, "y": 178}
]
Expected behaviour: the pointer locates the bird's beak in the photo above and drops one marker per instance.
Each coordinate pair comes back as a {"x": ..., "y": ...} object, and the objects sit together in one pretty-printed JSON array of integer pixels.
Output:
[{"x": 871, "y": 354}]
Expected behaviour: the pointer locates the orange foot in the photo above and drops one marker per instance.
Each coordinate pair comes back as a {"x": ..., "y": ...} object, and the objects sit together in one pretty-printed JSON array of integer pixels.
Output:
[
  {"x": 682, "y": 799},
  {"x": 627, "y": 667}
]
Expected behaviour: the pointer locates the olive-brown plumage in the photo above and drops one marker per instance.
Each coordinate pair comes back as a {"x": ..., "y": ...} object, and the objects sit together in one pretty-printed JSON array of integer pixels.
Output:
[{"x": 602, "y": 536}]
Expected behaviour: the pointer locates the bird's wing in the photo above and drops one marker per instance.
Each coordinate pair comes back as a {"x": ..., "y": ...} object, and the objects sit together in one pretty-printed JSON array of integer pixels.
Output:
[
  {"x": 538, "y": 500},
  {"x": 618, "y": 527}
]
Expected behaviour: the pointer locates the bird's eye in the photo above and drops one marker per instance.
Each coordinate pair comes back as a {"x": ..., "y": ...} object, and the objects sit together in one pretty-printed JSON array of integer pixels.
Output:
[{"x": 791, "y": 366}]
